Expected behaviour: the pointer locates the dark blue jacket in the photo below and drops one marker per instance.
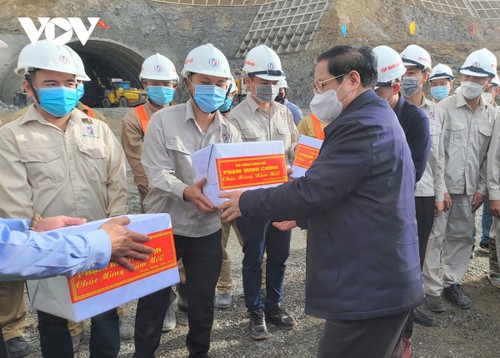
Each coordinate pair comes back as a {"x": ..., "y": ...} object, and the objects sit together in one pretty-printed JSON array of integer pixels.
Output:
[
  {"x": 415, "y": 124},
  {"x": 362, "y": 246}
]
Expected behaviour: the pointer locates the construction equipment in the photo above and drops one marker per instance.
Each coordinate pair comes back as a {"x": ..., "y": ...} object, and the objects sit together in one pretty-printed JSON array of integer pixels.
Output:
[{"x": 122, "y": 95}]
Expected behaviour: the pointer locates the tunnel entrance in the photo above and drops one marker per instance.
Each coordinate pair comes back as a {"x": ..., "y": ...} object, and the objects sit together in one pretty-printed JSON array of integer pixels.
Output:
[{"x": 104, "y": 61}]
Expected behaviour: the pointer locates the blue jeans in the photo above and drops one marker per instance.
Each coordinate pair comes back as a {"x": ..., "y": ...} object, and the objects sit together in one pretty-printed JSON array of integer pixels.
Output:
[
  {"x": 486, "y": 221},
  {"x": 261, "y": 236}
]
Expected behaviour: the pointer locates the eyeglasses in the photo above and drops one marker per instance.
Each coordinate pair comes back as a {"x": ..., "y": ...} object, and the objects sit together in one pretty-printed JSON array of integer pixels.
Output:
[{"x": 318, "y": 85}]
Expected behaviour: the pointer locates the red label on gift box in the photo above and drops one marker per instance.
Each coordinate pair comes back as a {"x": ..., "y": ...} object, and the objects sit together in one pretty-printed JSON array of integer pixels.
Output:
[
  {"x": 92, "y": 283},
  {"x": 243, "y": 172},
  {"x": 305, "y": 155}
]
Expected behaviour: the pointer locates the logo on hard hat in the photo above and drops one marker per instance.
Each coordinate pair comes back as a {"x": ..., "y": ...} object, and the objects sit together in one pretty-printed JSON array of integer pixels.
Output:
[
  {"x": 476, "y": 64},
  {"x": 64, "y": 60},
  {"x": 158, "y": 68},
  {"x": 271, "y": 66},
  {"x": 213, "y": 62}
]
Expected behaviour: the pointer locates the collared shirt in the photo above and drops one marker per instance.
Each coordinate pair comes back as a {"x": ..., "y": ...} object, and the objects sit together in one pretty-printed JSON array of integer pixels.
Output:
[
  {"x": 26, "y": 254},
  {"x": 464, "y": 145},
  {"x": 255, "y": 124},
  {"x": 296, "y": 111},
  {"x": 132, "y": 137},
  {"x": 172, "y": 136},
  {"x": 426, "y": 185},
  {"x": 494, "y": 161},
  {"x": 78, "y": 172}
]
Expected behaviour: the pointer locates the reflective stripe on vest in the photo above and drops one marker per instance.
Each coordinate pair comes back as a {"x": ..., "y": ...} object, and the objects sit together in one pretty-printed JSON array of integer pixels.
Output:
[
  {"x": 143, "y": 117},
  {"x": 88, "y": 111},
  {"x": 318, "y": 130}
]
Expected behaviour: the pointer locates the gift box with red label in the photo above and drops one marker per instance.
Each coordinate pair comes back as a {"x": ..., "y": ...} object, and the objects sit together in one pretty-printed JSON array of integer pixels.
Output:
[
  {"x": 306, "y": 152},
  {"x": 90, "y": 293},
  {"x": 240, "y": 166}
]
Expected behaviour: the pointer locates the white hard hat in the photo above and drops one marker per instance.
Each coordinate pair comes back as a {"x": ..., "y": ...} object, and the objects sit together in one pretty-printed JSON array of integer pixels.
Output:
[
  {"x": 480, "y": 63},
  {"x": 495, "y": 81},
  {"x": 282, "y": 83},
  {"x": 82, "y": 76},
  {"x": 207, "y": 60},
  {"x": 415, "y": 55},
  {"x": 263, "y": 62},
  {"x": 441, "y": 71},
  {"x": 3, "y": 44},
  {"x": 389, "y": 66},
  {"x": 44, "y": 55},
  {"x": 158, "y": 67}
]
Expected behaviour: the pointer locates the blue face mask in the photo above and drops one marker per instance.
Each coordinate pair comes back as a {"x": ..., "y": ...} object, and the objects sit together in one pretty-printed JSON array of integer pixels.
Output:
[
  {"x": 80, "y": 90},
  {"x": 57, "y": 101},
  {"x": 209, "y": 98},
  {"x": 440, "y": 92},
  {"x": 161, "y": 95},
  {"x": 226, "y": 107}
]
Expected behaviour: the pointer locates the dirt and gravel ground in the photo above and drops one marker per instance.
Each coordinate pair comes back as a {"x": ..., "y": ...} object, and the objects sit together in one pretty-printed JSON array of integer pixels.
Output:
[{"x": 457, "y": 334}]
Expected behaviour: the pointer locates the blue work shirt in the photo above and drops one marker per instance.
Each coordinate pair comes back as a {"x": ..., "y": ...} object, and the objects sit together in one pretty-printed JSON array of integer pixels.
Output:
[
  {"x": 26, "y": 254},
  {"x": 296, "y": 111}
]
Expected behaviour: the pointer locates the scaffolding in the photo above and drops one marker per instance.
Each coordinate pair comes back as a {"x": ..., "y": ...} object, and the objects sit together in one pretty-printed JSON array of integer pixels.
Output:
[
  {"x": 285, "y": 25},
  {"x": 482, "y": 9},
  {"x": 217, "y": 2}
]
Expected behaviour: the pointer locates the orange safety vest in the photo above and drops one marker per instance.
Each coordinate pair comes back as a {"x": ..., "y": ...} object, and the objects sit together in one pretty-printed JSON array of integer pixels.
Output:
[
  {"x": 88, "y": 111},
  {"x": 143, "y": 117},
  {"x": 318, "y": 130}
]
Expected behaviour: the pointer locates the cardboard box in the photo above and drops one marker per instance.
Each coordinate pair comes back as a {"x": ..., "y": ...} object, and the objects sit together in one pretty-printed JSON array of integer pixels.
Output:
[
  {"x": 239, "y": 166},
  {"x": 306, "y": 152},
  {"x": 93, "y": 292}
]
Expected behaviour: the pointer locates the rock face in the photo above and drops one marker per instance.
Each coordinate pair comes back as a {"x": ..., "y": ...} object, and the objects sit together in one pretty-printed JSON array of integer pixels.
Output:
[{"x": 138, "y": 29}]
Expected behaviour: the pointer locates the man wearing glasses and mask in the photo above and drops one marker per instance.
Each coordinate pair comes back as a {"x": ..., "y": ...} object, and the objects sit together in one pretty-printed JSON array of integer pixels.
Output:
[{"x": 363, "y": 273}]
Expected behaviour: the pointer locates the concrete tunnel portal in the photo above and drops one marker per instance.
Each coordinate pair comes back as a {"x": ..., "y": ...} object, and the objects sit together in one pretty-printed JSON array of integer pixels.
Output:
[{"x": 103, "y": 61}]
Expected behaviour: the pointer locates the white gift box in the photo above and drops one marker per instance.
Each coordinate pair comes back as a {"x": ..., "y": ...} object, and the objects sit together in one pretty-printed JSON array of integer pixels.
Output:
[
  {"x": 93, "y": 292},
  {"x": 306, "y": 152},
  {"x": 240, "y": 166}
]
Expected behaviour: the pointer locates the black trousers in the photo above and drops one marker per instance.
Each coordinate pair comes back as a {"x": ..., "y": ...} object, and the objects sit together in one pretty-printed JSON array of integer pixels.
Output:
[
  {"x": 202, "y": 258},
  {"x": 424, "y": 207},
  {"x": 375, "y": 338},
  {"x": 3, "y": 347},
  {"x": 55, "y": 339}
]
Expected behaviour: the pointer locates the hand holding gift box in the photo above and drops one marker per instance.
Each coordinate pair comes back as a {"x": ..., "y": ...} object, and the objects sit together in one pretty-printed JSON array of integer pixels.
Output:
[
  {"x": 93, "y": 292},
  {"x": 237, "y": 166}
]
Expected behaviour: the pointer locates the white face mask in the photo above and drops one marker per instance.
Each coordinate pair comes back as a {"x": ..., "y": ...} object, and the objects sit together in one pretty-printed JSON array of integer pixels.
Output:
[
  {"x": 471, "y": 90},
  {"x": 327, "y": 106}
]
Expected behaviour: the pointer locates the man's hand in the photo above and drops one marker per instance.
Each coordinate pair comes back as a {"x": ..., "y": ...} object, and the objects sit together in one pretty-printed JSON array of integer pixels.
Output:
[
  {"x": 194, "y": 194},
  {"x": 447, "y": 201},
  {"x": 438, "y": 208},
  {"x": 285, "y": 225},
  {"x": 289, "y": 172},
  {"x": 495, "y": 208},
  {"x": 126, "y": 243},
  {"x": 230, "y": 208},
  {"x": 477, "y": 201},
  {"x": 57, "y": 222}
]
